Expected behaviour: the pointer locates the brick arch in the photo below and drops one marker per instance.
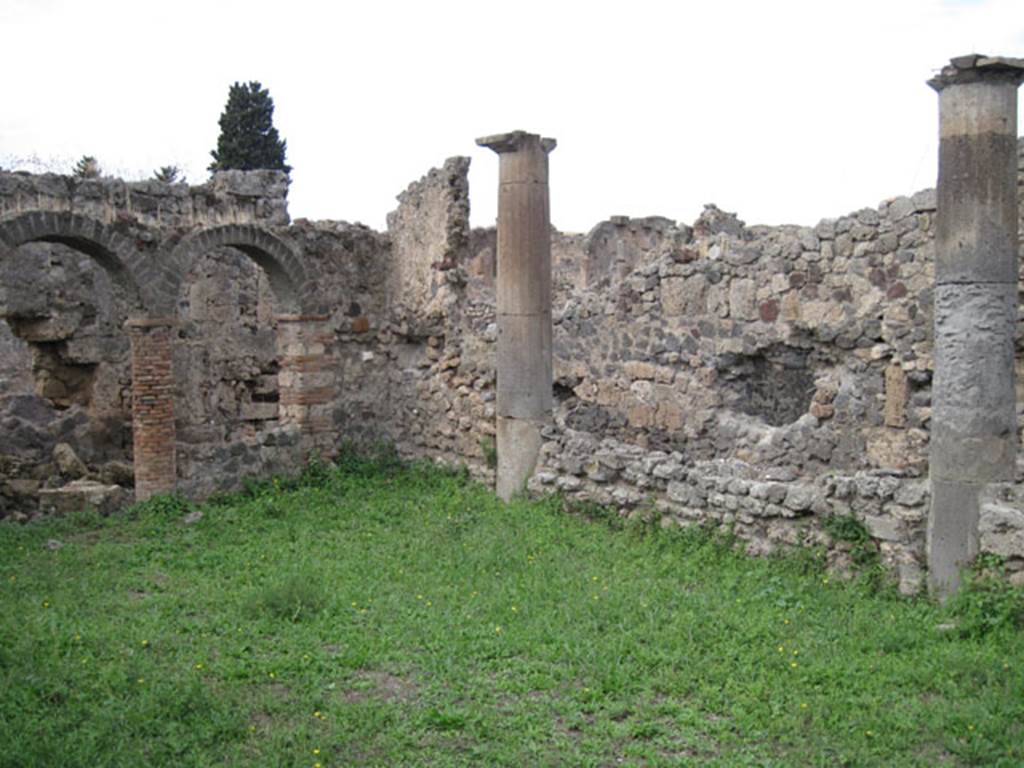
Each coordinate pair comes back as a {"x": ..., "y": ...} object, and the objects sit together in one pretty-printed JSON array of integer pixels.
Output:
[
  {"x": 141, "y": 277},
  {"x": 287, "y": 274}
]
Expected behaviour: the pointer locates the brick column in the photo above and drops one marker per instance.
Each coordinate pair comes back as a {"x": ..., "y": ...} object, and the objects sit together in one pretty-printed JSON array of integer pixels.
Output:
[
  {"x": 524, "y": 401},
  {"x": 306, "y": 379},
  {"x": 974, "y": 409},
  {"x": 153, "y": 434}
]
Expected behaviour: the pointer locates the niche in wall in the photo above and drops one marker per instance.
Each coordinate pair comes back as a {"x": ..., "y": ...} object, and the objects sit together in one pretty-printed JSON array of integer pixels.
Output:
[{"x": 774, "y": 384}]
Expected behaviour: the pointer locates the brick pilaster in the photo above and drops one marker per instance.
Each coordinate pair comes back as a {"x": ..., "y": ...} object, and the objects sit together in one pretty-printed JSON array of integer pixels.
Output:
[
  {"x": 153, "y": 435},
  {"x": 306, "y": 381}
]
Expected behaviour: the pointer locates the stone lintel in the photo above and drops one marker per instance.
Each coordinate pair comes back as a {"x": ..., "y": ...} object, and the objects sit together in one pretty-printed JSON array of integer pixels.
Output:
[
  {"x": 292, "y": 318},
  {"x": 976, "y": 67},
  {"x": 513, "y": 141},
  {"x": 145, "y": 323}
]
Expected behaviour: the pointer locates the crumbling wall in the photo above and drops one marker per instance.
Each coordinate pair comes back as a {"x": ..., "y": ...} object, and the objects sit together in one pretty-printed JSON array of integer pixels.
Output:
[
  {"x": 65, "y": 372},
  {"x": 66, "y": 380},
  {"x": 429, "y": 236},
  {"x": 230, "y": 197},
  {"x": 760, "y": 378}
]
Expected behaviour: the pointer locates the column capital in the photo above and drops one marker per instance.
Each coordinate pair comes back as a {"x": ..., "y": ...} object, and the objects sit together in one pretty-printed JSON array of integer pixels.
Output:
[
  {"x": 514, "y": 141},
  {"x": 976, "y": 67}
]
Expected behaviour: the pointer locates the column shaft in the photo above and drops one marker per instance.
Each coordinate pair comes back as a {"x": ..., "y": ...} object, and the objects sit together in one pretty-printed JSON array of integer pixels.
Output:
[
  {"x": 153, "y": 431},
  {"x": 524, "y": 365},
  {"x": 974, "y": 412}
]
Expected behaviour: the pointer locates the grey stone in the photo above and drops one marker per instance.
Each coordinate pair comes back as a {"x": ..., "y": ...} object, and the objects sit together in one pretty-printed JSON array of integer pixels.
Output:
[
  {"x": 82, "y": 494},
  {"x": 911, "y": 494},
  {"x": 1001, "y": 530},
  {"x": 799, "y": 498},
  {"x": 882, "y": 527},
  {"x": 68, "y": 463}
]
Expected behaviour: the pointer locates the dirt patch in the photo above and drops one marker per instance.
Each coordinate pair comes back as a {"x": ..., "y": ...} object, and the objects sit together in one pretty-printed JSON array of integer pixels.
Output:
[
  {"x": 280, "y": 690},
  {"x": 261, "y": 721},
  {"x": 380, "y": 686}
]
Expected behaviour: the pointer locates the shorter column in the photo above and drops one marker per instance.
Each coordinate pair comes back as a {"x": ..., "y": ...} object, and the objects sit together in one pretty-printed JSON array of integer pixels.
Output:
[
  {"x": 153, "y": 432},
  {"x": 306, "y": 378},
  {"x": 523, "y": 292}
]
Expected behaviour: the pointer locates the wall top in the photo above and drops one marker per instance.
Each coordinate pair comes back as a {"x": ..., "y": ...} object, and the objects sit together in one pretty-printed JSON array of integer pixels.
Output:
[
  {"x": 514, "y": 141},
  {"x": 976, "y": 67}
]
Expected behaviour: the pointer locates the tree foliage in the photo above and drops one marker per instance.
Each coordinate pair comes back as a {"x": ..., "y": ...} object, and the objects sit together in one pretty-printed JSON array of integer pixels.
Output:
[
  {"x": 169, "y": 174},
  {"x": 248, "y": 139},
  {"x": 87, "y": 168}
]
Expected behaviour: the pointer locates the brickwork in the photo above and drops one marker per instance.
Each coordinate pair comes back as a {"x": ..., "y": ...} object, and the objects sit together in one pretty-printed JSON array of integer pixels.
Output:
[
  {"x": 153, "y": 432},
  {"x": 307, "y": 377}
]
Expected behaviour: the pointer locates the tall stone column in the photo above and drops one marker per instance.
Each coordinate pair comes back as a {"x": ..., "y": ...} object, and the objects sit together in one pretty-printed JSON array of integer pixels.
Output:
[
  {"x": 974, "y": 411},
  {"x": 306, "y": 379},
  {"x": 153, "y": 432},
  {"x": 524, "y": 401}
]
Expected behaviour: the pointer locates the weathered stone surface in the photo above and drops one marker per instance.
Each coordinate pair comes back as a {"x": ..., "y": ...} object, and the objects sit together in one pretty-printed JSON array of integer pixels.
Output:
[
  {"x": 68, "y": 463},
  {"x": 1001, "y": 530},
  {"x": 83, "y": 494},
  {"x": 895, "y": 396}
]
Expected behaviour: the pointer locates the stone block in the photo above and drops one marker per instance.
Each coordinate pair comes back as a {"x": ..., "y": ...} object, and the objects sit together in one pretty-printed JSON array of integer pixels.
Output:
[
  {"x": 742, "y": 299},
  {"x": 883, "y": 527},
  {"x": 684, "y": 296},
  {"x": 79, "y": 495},
  {"x": 895, "y": 412},
  {"x": 68, "y": 463},
  {"x": 1001, "y": 530},
  {"x": 800, "y": 497}
]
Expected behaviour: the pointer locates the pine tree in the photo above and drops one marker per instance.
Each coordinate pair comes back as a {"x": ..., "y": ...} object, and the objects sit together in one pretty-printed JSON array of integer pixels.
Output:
[
  {"x": 87, "y": 168},
  {"x": 169, "y": 174},
  {"x": 248, "y": 139}
]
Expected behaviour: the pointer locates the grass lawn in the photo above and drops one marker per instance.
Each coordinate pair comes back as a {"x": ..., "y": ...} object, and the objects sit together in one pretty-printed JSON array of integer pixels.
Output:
[{"x": 380, "y": 615}]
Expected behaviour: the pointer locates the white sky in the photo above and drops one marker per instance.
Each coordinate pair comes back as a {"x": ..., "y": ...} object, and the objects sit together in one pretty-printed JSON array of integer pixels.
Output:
[{"x": 782, "y": 111}]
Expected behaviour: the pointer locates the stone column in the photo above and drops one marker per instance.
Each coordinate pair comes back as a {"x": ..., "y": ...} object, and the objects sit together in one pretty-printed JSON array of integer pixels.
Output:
[
  {"x": 153, "y": 432},
  {"x": 306, "y": 378},
  {"x": 524, "y": 401},
  {"x": 974, "y": 411}
]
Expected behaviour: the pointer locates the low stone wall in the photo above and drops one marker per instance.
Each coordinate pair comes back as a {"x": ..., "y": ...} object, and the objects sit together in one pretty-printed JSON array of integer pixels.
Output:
[{"x": 1001, "y": 526}]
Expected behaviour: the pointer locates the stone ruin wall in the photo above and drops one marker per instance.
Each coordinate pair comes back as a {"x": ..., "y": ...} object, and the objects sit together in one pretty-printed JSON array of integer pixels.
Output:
[
  {"x": 755, "y": 377},
  {"x": 760, "y": 378},
  {"x": 66, "y": 376}
]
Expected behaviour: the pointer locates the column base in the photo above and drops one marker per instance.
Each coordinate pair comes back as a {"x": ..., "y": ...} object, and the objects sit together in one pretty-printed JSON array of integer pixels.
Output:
[
  {"x": 518, "y": 442},
  {"x": 952, "y": 534}
]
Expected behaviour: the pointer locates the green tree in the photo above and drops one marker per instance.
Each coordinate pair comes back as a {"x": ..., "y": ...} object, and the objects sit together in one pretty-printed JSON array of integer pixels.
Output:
[
  {"x": 248, "y": 139},
  {"x": 169, "y": 174},
  {"x": 87, "y": 168}
]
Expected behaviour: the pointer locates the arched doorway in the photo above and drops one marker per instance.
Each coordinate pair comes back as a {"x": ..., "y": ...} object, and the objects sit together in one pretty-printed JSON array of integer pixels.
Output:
[
  {"x": 253, "y": 379},
  {"x": 71, "y": 283}
]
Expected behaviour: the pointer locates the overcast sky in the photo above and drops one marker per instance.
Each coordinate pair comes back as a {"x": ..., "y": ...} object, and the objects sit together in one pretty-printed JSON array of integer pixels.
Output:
[{"x": 785, "y": 112}]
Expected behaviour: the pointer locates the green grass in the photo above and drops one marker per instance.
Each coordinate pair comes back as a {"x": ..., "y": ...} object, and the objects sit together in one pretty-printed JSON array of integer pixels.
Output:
[{"x": 379, "y": 615}]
